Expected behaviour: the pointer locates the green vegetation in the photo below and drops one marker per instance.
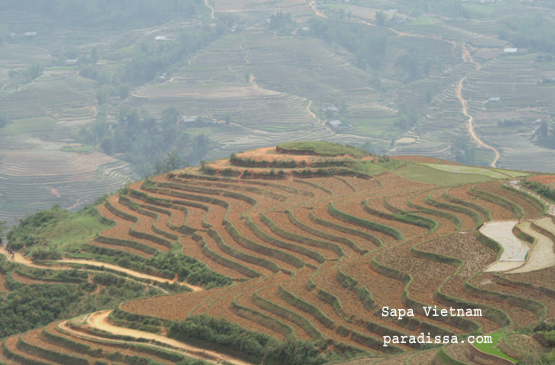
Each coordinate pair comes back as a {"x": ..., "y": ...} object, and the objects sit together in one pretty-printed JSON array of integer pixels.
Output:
[
  {"x": 428, "y": 175},
  {"x": 491, "y": 348},
  {"x": 57, "y": 229},
  {"x": 78, "y": 149},
  {"x": 368, "y": 44},
  {"x": 145, "y": 144},
  {"x": 535, "y": 33},
  {"x": 467, "y": 170},
  {"x": 249, "y": 345},
  {"x": 22, "y": 125},
  {"x": 29, "y": 306},
  {"x": 541, "y": 189},
  {"x": 323, "y": 148}
]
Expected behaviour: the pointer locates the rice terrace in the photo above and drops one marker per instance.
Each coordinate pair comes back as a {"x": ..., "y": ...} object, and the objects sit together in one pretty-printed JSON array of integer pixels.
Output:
[
  {"x": 290, "y": 182},
  {"x": 307, "y": 253}
]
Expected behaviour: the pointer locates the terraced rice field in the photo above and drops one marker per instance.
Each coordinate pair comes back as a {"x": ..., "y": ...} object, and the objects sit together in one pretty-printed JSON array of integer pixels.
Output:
[
  {"x": 35, "y": 175},
  {"x": 514, "y": 250},
  {"x": 321, "y": 255}
]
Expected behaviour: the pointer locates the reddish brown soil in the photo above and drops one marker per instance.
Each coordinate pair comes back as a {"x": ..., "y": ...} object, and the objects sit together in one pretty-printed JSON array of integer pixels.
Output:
[
  {"x": 121, "y": 248},
  {"x": 400, "y": 200},
  {"x": 486, "y": 281},
  {"x": 247, "y": 233},
  {"x": 544, "y": 179},
  {"x": 306, "y": 195},
  {"x": 282, "y": 221},
  {"x": 525, "y": 344},
  {"x": 176, "y": 309},
  {"x": 460, "y": 352},
  {"x": 144, "y": 225},
  {"x": 545, "y": 277},
  {"x": 121, "y": 230},
  {"x": 519, "y": 316},
  {"x": 4, "y": 359},
  {"x": 424, "y": 159},
  {"x": 397, "y": 360},
  {"x": 445, "y": 225},
  {"x": 230, "y": 242},
  {"x": 106, "y": 348},
  {"x": 303, "y": 216},
  {"x": 322, "y": 213},
  {"x": 11, "y": 344},
  {"x": 497, "y": 212},
  {"x": 3, "y": 287},
  {"x": 465, "y": 247},
  {"x": 195, "y": 214},
  {"x": 468, "y": 223},
  {"x": 306, "y": 259},
  {"x": 495, "y": 188},
  {"x": 424, "y": 358},
  {"x": 221, "y": 307}
]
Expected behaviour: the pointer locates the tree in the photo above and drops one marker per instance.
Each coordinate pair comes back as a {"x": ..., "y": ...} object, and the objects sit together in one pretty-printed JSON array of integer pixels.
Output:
[
  {"x": 95, "y": 55},
  {"x": 34, "y": 71},
  {"x": 380, "y": 18},
  {"x": 3, "y": 228},
  {"x": 544, "y": 129},
  {"x": 172, "y": 161},
  {"x": 410, "y": 62}
]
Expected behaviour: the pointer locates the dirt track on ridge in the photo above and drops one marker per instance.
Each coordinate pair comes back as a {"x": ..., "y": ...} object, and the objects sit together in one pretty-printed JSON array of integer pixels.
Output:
[
  {"x": 99, "y": 321},
  {"x": 20, "y": 259}
]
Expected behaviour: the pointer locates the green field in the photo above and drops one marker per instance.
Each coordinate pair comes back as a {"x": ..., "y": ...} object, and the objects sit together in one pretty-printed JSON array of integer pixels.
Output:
[
  {"x": 25, "y": 125},
  {"x": 467, "y": 170},
  {"x": 491, "y": 348},
  {"x": 323, "y": 148},
  {"x": 427, "y": 175}
]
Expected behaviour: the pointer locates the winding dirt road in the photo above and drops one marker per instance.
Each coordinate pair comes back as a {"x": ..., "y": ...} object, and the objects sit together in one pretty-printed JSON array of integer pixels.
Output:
[
  {"x": 312, "y": 4},
  {"x": 99, "y": 320},
  {"x": 207, "y": 3},
  {"x": 20, "y": 259},
  {"x": 471, "y": 131}
]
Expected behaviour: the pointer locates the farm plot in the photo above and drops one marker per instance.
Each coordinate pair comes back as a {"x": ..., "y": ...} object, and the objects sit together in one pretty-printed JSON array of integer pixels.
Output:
[
  {"x": 514, "y": 250},
  {"x": 542, "y": 255},
  {"x": 316, "y": 257},
  {"x": 36, "y": 175}
]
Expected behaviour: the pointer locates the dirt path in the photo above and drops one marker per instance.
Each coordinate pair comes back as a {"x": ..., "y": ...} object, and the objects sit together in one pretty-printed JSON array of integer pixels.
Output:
[
  {"x": 20, "y": 259},
  {"x": 471, "y": 131},
  {"x": 99, "y": 321},
  {"x": 312, "y": 4},
  {"x": 207, "y": 3}
]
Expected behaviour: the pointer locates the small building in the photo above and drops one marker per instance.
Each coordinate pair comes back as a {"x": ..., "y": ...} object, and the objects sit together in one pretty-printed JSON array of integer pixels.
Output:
[
  {"x": 334, "y": 124},
  {"x": 71, "y": 62},
  {"x": 305, "y": 29},
  {"x": 161, "y": 38},
  {"x": 495, "y": 99},
  {"x": 30, "y": 34},
  {"x": 189, "y": 119},
  {"x": 510, "y": 50}
]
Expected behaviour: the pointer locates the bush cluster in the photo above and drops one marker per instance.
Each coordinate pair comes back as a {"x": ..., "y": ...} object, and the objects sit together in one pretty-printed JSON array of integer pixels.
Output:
[{"x": 252, "y": 345}]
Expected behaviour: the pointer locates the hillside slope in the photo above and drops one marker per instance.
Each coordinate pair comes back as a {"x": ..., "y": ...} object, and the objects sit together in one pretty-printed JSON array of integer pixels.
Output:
[{"x": 324, "y": 244}]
